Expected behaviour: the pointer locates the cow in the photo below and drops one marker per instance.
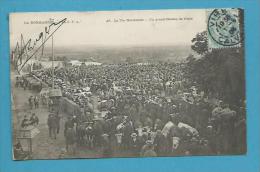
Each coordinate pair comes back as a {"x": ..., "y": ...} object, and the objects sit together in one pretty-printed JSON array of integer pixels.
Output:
[
  {"x": 192, "y": 130},
  {"x": 167, "y": 127}
]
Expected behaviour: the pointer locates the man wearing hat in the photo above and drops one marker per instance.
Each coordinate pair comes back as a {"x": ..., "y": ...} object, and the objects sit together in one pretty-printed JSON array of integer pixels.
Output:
[
  {"x": 136, "y": 143},
  {"x": 217, "y": 110},
  {"x": 75, "y": 119},
  {"x": 51, "y": 121},
  {"x": 30, "y": 100},
  {"x": 25, "y": 122},
  {"x": 68, "y": 124},
  {"x": 161, "y": 143},
  {"x": 34, "y": 120},
  {"x": 119, "y": 139},
  {"x": 70, "y": 138},
  {"x": 106, "y": 145},
  {"x": 175, "y": 118},
  {"x": 57, "y": 119},
  {"x": 148, "y": 150}
]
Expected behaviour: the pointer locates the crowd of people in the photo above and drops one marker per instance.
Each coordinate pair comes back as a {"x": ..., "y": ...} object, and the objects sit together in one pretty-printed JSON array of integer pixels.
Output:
[
  {"x": 151, "y": 110},
  {"x": 28, "y": 82},
  {"x": 32, "y": 120}
]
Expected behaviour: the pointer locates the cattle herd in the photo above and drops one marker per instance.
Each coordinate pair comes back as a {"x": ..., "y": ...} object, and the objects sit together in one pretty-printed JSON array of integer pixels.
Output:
[{"x": 146, "y": 110}]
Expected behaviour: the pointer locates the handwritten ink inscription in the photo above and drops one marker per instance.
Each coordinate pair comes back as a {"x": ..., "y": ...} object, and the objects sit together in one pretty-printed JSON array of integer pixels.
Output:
[{"x": 24, "y": 51}]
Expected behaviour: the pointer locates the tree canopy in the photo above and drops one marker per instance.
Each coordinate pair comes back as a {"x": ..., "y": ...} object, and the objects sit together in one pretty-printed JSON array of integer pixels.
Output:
[{"x": 219, "y": 71}]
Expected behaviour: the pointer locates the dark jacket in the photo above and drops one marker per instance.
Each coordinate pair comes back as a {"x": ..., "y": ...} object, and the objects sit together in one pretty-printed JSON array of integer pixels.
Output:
[
  {"x": 70, "y": 136},
  {"x": 52, "y": 122}
]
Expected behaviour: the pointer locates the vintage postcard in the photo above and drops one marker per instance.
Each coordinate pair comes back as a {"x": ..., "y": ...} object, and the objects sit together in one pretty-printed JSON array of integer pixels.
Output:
[{"x": 148, "y": 83}]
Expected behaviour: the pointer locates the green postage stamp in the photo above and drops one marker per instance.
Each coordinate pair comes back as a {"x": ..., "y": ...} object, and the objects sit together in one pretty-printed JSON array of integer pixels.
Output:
[{"x": 223, "y": 26}]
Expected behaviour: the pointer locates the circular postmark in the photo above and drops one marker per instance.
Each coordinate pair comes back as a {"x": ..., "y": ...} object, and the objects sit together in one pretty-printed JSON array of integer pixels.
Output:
[{"x": 223, "y": 27}]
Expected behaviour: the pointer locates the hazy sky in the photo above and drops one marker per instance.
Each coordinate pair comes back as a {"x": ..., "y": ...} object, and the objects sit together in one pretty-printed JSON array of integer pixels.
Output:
[{"x": 93, "y": 29}]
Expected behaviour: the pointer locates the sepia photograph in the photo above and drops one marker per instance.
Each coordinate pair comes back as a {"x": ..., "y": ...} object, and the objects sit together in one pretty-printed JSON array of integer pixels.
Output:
[{"x": 140, "y": 83}]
